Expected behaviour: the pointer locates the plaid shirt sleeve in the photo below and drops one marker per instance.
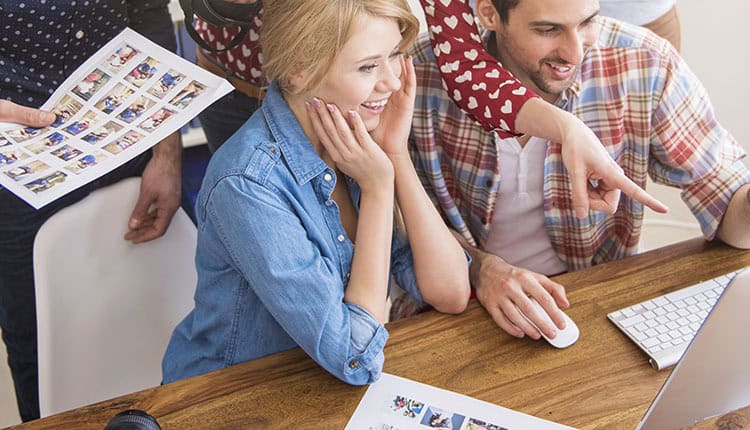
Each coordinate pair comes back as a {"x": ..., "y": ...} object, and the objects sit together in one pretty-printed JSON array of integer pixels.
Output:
[
  {"x": 477, "y": 83},
  {"x": 690, "y": 149}
]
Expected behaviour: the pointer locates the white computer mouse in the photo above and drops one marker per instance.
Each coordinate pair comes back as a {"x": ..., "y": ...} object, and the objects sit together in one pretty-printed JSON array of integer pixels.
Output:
[{"x": 565, "y": 337}]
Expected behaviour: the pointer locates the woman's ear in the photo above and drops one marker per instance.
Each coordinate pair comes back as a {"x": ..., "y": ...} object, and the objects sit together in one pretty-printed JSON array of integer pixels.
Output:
[
  {"x": 296, "y": 80},
  {"x": 488, "y": 15}
]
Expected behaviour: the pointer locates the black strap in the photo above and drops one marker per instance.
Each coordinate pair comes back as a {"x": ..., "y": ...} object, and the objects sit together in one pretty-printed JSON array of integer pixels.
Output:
[{"x": 206, "y": 12}]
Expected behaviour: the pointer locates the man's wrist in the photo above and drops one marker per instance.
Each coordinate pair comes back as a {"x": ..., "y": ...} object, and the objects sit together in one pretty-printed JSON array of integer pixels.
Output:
[{"x": 169, "y": 148}]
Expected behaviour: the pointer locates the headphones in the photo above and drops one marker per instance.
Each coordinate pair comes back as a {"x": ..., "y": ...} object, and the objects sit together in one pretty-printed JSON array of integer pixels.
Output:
[{"x": 223, "y": 14}]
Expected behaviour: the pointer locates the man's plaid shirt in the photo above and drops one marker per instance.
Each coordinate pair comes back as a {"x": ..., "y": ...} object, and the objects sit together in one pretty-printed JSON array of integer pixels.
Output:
[{"x": 647, "y": 108}]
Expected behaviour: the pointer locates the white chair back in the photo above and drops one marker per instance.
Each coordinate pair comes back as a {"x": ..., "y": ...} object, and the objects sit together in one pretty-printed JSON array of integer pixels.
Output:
[{"x": 106, "y": 307}]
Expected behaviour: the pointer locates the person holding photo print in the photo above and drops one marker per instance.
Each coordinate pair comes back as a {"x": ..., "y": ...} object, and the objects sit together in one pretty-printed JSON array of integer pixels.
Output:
[
  {"x": 296, "y": 237},
  {"x": 39, "y": 50}
]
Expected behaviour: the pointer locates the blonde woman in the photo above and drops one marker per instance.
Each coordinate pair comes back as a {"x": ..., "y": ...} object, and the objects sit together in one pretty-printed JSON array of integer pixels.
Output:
[{"x": 295, "y": 215}]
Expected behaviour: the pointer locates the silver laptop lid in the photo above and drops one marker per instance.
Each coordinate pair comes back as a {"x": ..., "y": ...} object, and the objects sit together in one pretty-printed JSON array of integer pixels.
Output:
[{"x": 713, "y": 376}]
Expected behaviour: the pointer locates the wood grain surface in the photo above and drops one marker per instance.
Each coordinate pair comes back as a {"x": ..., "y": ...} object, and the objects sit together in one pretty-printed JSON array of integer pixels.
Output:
[{"x": 601, "y": 382}]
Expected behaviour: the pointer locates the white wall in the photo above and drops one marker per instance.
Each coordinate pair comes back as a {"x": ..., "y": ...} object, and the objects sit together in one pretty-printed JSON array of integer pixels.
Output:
[{"x": 716, "y": 47}]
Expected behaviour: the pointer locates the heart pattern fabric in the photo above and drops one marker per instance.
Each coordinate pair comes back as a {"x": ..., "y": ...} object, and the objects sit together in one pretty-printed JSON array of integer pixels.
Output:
[
  {"x": 477, "y": 83},
  {"x": 244, "y": 60}
]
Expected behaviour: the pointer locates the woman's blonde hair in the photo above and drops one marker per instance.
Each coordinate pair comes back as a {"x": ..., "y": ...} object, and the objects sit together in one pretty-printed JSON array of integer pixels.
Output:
[{"x": 306, "y": 35}]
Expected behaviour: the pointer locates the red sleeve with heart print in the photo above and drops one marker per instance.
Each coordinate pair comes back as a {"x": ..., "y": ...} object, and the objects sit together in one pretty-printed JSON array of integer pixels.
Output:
[
  {"x": 476, "y": 82},
  {"x": 245, "y": 60}
]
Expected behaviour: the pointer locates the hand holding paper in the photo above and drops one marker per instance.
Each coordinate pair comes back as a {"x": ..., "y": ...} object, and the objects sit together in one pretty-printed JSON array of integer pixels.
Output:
[
  {"x": 17, "y": 114},
  {"x": 129, "y": 96}
]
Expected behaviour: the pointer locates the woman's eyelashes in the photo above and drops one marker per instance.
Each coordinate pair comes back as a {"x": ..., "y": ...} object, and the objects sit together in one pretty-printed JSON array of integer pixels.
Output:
[{"x": 367, "y": 68}]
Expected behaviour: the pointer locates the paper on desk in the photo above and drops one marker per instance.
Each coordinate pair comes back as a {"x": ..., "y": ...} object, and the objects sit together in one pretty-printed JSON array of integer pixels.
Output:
[
  {"x": 124, "y": 99},
  {"x": 395, "y": 403}
]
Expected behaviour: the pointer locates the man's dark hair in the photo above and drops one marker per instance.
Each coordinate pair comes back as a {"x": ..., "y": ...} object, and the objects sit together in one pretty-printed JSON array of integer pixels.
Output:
[{"x": 503, "y": 7}]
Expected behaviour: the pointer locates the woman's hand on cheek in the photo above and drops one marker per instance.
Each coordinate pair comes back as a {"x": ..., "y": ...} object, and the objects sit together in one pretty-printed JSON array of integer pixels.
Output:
[
  {"x": 351, "y": 148},
  {"x": 392, "y": 132}
]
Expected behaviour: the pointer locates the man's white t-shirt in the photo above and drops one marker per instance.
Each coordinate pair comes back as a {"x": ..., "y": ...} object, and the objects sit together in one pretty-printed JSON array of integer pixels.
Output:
[{"x": 518, "y": 234}]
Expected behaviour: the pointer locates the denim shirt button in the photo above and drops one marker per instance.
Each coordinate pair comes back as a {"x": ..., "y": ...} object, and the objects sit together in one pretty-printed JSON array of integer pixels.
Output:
[
  {"x": 353, "y": 364},
  {"x": 327, "y": 177},
  {"x": 340, "y": 238}
]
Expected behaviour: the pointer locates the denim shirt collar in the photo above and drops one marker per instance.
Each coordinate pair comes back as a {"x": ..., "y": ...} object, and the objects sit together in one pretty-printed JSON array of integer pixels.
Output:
[{"x": 303, "y": 161}]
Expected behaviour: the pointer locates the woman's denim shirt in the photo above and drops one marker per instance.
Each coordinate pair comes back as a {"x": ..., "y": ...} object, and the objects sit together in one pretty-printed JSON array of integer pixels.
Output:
[{"x": 273, "y": 259}]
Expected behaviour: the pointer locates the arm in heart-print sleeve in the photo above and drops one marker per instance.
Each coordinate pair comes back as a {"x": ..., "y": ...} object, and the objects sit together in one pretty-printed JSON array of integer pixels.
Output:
[{"x": 476, "y": 82}]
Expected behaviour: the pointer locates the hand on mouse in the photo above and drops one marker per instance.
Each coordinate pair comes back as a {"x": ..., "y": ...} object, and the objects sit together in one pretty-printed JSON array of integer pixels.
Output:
[{"x": 504, "y": 291}]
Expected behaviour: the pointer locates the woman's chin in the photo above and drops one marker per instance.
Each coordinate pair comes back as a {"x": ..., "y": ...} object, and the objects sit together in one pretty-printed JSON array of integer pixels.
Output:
[{"x": 372, "y": 123}]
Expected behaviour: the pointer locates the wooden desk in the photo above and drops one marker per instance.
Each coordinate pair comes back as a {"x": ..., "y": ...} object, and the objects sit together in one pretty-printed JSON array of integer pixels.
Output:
[{"x": 601, "y": 382}]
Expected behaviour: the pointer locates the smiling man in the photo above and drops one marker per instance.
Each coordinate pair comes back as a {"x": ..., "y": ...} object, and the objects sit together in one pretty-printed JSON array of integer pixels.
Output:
[{"x": 510, "y": 198}]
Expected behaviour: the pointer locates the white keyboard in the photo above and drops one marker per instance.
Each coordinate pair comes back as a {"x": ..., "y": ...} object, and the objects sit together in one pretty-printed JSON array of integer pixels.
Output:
[{"x": 664, "y": 326}]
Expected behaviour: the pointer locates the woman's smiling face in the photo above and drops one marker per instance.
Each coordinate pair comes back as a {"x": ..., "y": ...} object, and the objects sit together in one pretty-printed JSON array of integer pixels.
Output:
[{"x": 366, "y": 71}]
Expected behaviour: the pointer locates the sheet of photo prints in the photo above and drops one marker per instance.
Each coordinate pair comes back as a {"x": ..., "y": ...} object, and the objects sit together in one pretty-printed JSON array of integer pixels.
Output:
[
  {"x": 127, "y": 97},
  {"x": 396, "y": 403}
]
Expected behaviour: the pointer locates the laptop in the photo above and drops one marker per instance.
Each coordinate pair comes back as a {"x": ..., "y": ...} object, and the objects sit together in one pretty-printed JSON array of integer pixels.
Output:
[{"x": 713, "y": 376}]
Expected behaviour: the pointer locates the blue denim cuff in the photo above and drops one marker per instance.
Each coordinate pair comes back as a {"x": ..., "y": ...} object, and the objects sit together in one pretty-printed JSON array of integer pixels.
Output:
[{"x": 368, "y": 338}]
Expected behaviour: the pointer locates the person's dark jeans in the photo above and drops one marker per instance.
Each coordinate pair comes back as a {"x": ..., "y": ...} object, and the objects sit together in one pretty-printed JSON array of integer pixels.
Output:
[
  {"x": 225, "y": 116},
  {"x": 19, "y": 224}
]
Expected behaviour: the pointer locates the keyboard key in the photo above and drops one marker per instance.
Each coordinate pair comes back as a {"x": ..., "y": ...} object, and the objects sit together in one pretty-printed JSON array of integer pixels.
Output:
[
  {"x": 672, "y": 325},
  {"x": 632, "y": 320},
  {"x": 673, "y": 316},
  {"x": 649, "y": 305},
  {"x": 640, "y": 327},
  {"x": 628, "y": 312},
  {"x": 651, "y": 323},
  {"x": 651, "y": 332},
  {"x": 682, "y": 322},
  {"x": 686, "y": 331},
  {"x": 675, "y": 334},
  {"x": 648, "y": 343}
]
